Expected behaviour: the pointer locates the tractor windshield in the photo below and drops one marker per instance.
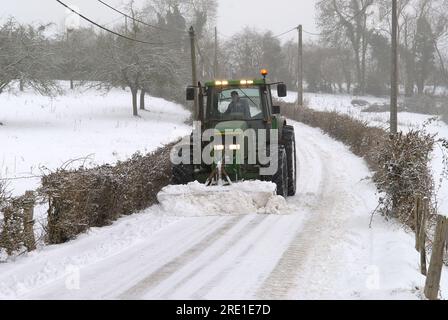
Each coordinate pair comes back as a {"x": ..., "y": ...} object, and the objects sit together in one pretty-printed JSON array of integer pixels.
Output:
[{"x": 235, "y": 104}]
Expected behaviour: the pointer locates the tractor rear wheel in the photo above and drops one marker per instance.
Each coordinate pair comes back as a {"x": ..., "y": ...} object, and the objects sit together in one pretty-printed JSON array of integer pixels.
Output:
[
  {"x": 280, "y": 178},
  {"x": 289, "y": 139}
]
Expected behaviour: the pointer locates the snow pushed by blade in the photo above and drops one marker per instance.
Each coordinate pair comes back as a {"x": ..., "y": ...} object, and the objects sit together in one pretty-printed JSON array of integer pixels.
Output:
[{"x": 196, "y": 199}]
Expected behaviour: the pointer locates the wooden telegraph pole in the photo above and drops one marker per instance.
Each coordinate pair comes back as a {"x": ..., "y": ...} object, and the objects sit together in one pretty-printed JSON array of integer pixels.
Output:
[
  {"x": 300, "y": 68},
  {"x": 394, "y": 74},
  {"x": 69, "y": 30},
  {"x": 215, "y": 63},
  {"x": 194, "y": 72}
]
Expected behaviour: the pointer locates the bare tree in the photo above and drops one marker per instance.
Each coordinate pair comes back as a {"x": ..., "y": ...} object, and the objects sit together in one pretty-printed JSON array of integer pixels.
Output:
[
  {"x": 348, "y": 19},
  {"x": 25, "y": 55},
  {"x": 138, "y": 66}
]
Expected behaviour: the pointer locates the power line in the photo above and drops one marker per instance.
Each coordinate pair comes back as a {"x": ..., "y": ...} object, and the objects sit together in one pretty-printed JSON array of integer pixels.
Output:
[
  {"x": 313, "y": 34},
  {"x": 139, "y": 21},
  {"x": 108, "y": 30},
  {"x": 286, "y": 32},
  {"x": 294, "y": 29}
]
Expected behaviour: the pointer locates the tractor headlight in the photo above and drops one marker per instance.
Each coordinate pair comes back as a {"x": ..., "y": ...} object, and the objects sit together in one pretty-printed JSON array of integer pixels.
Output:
[
  {"x": 218, "y": 147},
  {"x": 235, "y": 147}
]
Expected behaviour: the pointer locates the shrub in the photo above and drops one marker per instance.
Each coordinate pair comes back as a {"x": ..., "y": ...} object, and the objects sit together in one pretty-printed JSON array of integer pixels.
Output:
[
  {"x": 96, "y": 197},
  {"x": 16, "y": 229},
  {"x": 404, "y": 173}
]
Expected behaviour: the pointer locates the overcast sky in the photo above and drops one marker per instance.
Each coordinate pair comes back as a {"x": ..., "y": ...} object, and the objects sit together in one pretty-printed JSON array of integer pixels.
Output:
[{"x": 233, "y": 15}]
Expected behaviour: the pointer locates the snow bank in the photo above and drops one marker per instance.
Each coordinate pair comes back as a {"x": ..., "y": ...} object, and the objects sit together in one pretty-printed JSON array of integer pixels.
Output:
[{"x": 247, "y": 197}]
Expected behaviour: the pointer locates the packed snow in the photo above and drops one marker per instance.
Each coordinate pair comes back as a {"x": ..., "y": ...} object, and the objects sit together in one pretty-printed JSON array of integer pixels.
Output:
[{"x": 196, "y": 199}]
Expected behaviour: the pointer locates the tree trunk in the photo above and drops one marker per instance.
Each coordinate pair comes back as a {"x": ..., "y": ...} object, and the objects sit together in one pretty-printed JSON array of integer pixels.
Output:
[
  {"x": 21, "y": 85},
  {"x": 363, "y": 63},
  {"x": 72, "y": 86},
  {"x": 142, "y": 100},
  {"x": 409, "y": 88},
  {"x": 420, "y": 85},
  {"x": 134, "y": 102},
  {"x": 358, "y": 71},
  {"x": 409, "y": 64}
]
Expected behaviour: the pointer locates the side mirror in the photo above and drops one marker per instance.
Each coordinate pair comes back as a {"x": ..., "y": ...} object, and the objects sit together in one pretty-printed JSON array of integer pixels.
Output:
[
  {"x": 191, "y": 93},
  {"x": 275, "y": 109},
  {"x": 282, "y": 91}
]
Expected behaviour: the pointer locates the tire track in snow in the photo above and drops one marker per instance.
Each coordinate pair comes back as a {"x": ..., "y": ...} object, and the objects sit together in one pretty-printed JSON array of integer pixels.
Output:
[
  {"x": 229, "y": 244},
  {"x": 283, "y": 277},
  {"x": 55, "y": 289},
  {"x": 172, "y": 266},
  {"x": 244, "y": 251}
]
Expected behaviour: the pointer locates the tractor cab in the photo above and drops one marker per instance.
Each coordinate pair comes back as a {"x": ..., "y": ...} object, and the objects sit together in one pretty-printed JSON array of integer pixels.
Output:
[{"x": 228, "y": 101}]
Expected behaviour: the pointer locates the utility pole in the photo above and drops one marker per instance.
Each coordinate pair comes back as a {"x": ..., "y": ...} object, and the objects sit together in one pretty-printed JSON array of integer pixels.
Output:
[
  {"x": 394, "y": 73},
  {"x": 126, "y": 25},
  {"x": 300, "y": 68},
  {"x": 215, "y": 64},
  {"x": 68, "y": 30},
  {"x": 194, "y": 72}
]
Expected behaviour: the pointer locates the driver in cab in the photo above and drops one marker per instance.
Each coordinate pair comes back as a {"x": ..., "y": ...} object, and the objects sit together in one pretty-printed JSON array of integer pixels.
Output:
[{"x": 238, "y": 106}]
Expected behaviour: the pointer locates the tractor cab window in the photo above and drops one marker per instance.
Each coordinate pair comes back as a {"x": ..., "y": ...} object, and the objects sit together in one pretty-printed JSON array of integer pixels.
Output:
[{"x": 235, "y": 104}]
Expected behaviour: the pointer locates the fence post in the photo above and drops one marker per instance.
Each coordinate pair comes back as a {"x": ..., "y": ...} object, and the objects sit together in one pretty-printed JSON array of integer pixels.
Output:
[
  {"x": 422, "y": 235},
  {"x": 432, "y": 285},
  {"x": 28, "y": 221},
  {"x": 417, "y": 209}
]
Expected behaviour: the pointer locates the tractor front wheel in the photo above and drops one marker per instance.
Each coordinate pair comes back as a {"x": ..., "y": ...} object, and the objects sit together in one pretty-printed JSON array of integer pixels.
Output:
[{"x": 182, "y": 174}]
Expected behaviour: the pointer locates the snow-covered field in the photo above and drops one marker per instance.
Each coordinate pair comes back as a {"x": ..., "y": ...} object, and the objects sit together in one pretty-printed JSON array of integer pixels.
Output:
[
  {"x": 92, "y": 126},
  {"x": 321, "y": 249}
]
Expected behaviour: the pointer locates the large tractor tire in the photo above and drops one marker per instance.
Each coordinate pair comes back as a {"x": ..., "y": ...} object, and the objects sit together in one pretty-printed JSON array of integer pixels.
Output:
[
  {"x": 289, "y": 139},
  {"x": 280, "y": 178},
  {"x": 182, "y": 173}
]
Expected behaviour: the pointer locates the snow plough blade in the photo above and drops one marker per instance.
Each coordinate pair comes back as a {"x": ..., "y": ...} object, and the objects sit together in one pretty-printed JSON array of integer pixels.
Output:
[{"x": 195, "y": 199}]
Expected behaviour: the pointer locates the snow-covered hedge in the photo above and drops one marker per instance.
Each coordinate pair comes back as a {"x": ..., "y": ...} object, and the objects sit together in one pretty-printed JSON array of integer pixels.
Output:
[
  {"x": 96, "y": 197},
  {"x": 362, "y": 139},
  {"x": 405, "y": 173},
  {"x": 16, "y": 224}
]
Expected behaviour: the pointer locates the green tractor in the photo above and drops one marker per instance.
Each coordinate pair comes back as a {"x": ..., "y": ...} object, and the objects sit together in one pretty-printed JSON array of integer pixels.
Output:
[{"x": 259, "y": 144}]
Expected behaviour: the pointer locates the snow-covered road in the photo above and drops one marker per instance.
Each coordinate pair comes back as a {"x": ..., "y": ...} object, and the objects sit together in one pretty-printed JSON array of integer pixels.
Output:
[{"x": 325, "y": 249}]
